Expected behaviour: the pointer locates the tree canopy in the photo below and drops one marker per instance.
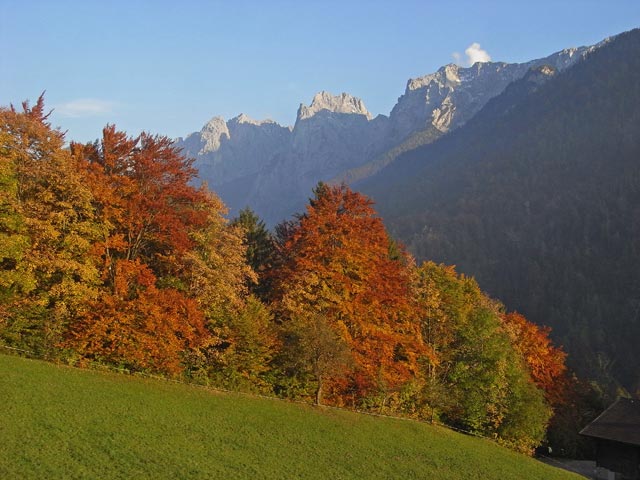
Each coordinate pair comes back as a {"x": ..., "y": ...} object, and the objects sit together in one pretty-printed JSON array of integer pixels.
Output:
[{"x": 109, "y": 253}]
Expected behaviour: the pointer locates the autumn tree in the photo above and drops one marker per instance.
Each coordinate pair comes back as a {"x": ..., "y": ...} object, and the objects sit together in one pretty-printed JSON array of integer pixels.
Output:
[
  {"x": 544, "y": 360},
  {"x": 152, "y": 216},
  {"x": 214, "y": 270},
  {"x": 336, "y": 263},
  {"x": 48, "y": 227},
  {"x": 476, "y": 379},
  {"x": 151, "y": 212},
  {"x": 575, "y": 402},
  {"x": 143, "y": 196},
  {"x": 139, "y": 326},
  {"x": 217, "y": 275},
  {"x": 15, "y": 278}
]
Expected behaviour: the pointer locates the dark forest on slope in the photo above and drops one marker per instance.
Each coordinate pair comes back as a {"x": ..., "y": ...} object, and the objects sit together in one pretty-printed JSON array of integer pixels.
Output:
[{"x": 538, "y": 197}]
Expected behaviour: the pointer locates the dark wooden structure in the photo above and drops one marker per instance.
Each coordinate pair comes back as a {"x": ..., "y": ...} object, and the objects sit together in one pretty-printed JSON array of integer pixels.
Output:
[{"x": 617, "y": 435}]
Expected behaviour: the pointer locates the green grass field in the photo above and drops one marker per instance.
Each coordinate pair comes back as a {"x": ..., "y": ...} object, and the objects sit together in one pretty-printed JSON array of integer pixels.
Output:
[{"x": 60, "y": 422}]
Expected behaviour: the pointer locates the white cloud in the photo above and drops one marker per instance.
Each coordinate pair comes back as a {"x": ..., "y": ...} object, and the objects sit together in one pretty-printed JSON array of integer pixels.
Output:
[
  {"x": 84, "y": 107},
  {"x": 474, "y": 53}
]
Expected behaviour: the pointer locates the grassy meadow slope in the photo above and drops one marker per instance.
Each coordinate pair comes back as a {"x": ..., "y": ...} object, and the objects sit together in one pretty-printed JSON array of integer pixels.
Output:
[{"x": 60, "y": 422}]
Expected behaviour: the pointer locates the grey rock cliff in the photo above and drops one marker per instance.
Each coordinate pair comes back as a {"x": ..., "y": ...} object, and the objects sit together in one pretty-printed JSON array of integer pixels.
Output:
[
  {"x": 449, "y": 97},
  {"x": 226, "y": 151},
  {"x": 343, "y": 103}
]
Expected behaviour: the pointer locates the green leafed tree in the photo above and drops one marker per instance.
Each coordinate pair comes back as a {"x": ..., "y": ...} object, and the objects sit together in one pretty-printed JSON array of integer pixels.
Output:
[
  {"x": 244, "y": 344},
  {"x": 315, "y": 352},
  {"x": 476, "y": 380}
]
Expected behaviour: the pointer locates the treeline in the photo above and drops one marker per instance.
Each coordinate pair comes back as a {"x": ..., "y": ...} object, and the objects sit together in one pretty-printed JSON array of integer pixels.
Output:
[{"x": 109, "y": 254}]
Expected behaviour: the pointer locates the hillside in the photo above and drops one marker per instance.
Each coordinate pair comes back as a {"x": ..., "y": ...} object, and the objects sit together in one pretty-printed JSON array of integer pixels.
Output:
[
  {"x": 59, "y": 422},
  {"x": 537, "y": 197}
]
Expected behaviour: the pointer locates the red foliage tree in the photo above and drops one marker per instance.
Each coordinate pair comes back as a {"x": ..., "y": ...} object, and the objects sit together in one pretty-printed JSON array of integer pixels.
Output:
[
  {"x": 144, "y": 198},
  {"x": 149, "y": 215},
  {"x": 336, "y": 262}
]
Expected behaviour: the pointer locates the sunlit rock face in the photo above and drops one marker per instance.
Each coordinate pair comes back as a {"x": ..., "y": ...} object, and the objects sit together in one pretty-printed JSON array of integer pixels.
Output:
[{"x": 449, "y": 97}]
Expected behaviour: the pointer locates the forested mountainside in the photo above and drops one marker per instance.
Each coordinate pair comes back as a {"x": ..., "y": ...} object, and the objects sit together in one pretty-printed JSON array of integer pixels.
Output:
[{"x": 538, "y": 197}]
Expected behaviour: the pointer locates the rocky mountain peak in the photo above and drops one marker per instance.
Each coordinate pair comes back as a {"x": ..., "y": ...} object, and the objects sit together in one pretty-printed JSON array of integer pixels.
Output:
[
  {"x": 216, "y": 123},
  {"x": 447, "y": 76},
  {"x": 212, "y": 134},
  {"x": 343, "y": 103},
  {"x": 246, "y": 119},
  {"x": 451, "y": 73},
  {"x": 273, "y": 168}
]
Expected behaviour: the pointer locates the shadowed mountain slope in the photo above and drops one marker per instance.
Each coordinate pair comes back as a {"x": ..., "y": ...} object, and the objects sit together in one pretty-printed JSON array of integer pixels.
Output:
[{"x": 538, "y": 197}]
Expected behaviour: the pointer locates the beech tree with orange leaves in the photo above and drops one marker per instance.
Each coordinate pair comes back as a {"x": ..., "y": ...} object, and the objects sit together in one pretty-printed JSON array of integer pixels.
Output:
[
  {"x": 47, "y": 227},
  {"x": 154, "y": 220},
  {"x": 544, "y": 360},
  {"x": 143, "y": 197},
  {"x": 139, "y": 326},
  {"x": 336, "y": 262}
]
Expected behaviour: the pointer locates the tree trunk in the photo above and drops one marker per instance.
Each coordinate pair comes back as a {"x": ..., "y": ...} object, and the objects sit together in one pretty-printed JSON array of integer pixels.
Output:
[{"x": 319, "y": 392}]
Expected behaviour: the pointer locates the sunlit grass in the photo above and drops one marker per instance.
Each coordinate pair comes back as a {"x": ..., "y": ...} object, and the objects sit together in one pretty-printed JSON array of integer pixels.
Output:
[{"x": 59, "y": 422}]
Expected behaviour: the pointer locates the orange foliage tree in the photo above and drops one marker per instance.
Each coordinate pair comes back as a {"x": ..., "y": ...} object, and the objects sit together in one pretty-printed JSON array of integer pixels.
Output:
[
  {"x": 148, "y": 214},
  {"x": 544, "y": 360},
  {"x": 139, "y": 326},
  {"x": 336, "y": 262},
  {"x": 143, "y": 198},
  {"x": 154, "y": 220}
]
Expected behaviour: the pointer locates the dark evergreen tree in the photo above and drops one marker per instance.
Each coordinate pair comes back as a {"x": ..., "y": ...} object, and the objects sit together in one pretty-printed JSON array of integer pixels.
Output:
[{"x": 260, "y": 248}]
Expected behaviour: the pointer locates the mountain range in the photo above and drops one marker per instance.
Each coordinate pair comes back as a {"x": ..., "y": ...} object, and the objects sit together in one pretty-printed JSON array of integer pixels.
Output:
[{"x": 273, "y": 168}]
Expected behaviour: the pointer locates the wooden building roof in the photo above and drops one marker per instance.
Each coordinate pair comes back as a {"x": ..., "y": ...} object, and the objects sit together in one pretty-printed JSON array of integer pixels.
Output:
[{"x": 619, "y": 423}]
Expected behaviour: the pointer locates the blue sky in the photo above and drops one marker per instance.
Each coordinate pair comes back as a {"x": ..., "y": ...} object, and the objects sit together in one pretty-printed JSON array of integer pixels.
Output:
[{"x": 168, "y": 67}]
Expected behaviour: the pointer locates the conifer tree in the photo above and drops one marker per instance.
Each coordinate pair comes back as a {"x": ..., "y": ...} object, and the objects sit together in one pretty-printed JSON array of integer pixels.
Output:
[{"x": 260, "y": 248}]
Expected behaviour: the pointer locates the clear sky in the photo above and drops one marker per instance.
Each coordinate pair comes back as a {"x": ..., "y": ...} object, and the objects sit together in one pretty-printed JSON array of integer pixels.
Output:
[{"x": 168, "y": 67}]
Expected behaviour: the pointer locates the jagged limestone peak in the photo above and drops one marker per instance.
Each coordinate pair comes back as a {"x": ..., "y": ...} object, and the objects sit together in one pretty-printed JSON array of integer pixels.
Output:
[
  {"x": 212, "y": 134},
  {"x": 244, "y": 118},
  {"x": 448, "y": 75},
  {"x": 343, "y": 103}
]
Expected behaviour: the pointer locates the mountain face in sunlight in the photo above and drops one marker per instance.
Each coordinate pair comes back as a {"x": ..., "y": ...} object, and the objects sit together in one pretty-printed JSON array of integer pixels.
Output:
[{"x": 272, "y": 168}]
